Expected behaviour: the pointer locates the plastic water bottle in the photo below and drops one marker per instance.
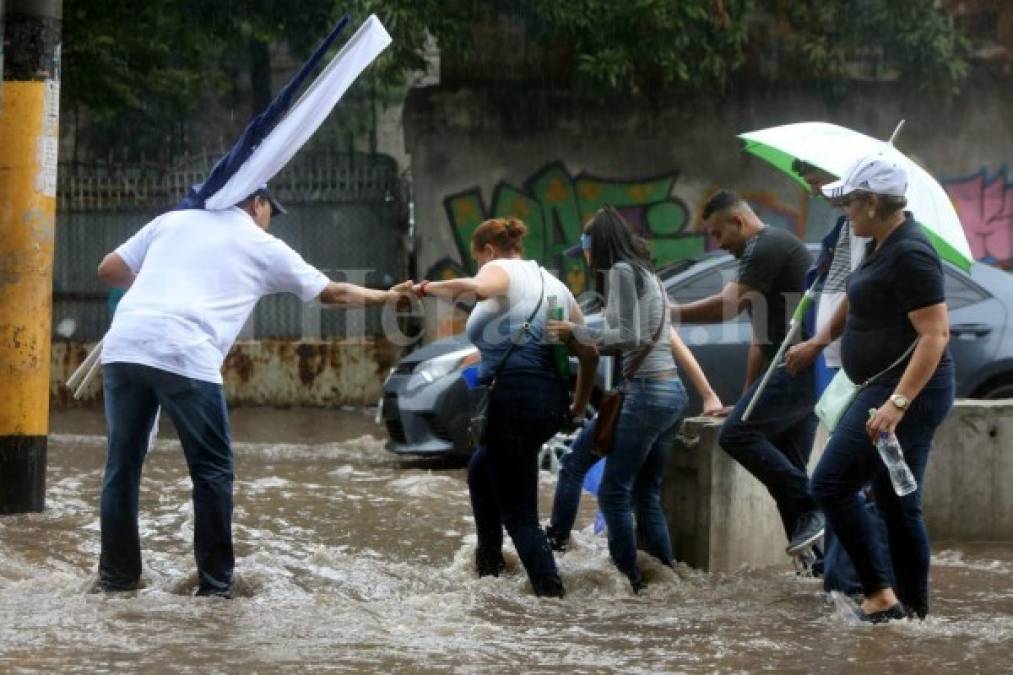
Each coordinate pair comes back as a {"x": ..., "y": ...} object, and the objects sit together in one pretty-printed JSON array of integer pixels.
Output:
[
  {"x": 560, "y": 354},
  {"x": 903, "y": 480}
]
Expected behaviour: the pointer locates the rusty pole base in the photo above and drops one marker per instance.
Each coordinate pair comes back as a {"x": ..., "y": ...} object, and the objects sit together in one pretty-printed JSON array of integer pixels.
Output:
[{"x": 22, "y": 474}]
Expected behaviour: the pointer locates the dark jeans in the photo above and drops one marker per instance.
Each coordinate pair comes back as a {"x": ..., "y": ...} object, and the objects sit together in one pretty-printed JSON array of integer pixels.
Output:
[
  {"x": 775, "y": 444},
  {"x": 851, "y": 461},
  {"x": 838, "y": 571},
  {"x": 526, "y": 409},
  {"x": 133, "y": 394}
]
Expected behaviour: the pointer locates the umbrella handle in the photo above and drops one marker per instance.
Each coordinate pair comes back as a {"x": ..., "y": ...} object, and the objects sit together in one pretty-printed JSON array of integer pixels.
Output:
[
  {"x": 896, "y": 132},
  {"x": 86, "y": 365},
  {"x": 774, "y": 365},
  {"x": 793, "y": 331}
]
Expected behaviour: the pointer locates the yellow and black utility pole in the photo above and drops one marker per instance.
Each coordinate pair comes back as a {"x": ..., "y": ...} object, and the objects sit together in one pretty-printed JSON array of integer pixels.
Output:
[{"x": 29, "y": 137}]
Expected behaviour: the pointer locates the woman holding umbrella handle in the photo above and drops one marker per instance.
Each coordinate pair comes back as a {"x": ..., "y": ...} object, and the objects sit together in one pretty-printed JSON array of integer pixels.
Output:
[{"x": 894, "y": 298}]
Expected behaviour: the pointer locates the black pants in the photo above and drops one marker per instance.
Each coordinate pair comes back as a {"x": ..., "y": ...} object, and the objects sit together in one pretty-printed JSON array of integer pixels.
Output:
[
  {"x": 526, "y": 409},
  {"x": 775, "y": 444},
  {"x": 850, "y": 461}
]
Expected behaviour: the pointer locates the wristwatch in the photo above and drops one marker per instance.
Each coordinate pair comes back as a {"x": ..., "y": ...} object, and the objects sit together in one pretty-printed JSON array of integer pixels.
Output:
[{"x": 900, "y": 400}]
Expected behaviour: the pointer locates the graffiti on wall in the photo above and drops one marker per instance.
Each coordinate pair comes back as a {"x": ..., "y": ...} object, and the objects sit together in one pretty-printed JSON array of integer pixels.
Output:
[
  {"x": 554, "y": 205},
  {"x": 985, "y": 207}
]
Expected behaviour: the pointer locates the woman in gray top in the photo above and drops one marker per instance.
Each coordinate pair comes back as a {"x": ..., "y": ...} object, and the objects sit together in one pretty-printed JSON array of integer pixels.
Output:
[{"x": 636, "y": 323}]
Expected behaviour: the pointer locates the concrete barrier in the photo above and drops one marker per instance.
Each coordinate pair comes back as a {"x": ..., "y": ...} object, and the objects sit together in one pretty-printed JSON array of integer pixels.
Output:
[
  {"x": 721, "y": 518},
  {"x": 969, "y": 480}
]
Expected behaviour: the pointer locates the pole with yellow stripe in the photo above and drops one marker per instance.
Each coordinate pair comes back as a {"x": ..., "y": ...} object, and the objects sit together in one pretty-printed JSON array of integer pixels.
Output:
[{"x": 29, "y": 132}]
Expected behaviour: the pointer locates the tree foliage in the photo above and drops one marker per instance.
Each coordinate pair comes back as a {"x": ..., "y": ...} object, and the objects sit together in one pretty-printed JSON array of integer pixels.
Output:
[
  {"x": 918, "y": 41},
  {"x": 141, "y": 70}
]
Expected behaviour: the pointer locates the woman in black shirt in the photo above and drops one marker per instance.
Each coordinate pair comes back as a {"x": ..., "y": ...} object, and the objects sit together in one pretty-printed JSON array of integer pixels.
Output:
[{"x": 894, "y": 299}]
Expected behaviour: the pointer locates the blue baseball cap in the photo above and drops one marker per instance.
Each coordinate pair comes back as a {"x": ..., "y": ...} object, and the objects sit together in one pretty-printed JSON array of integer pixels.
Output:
[
  {"x": 264, "y": 192},
  {"x": 577, "y": 250}
]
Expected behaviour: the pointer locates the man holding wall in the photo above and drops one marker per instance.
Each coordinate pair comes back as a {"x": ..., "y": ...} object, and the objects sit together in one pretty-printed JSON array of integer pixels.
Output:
[
  {"x": 775, "y": 444},
  {"x": 194, "y": 276}
]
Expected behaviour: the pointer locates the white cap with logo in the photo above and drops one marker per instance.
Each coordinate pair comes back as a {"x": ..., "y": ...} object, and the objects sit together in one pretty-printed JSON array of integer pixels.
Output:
[{"x": 878, "y": 174}]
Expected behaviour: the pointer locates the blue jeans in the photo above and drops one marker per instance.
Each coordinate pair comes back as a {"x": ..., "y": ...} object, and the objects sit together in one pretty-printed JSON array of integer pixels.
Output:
[
  {"x": 775, "y": 444},
  {"x": 634, "y": 469},
  {"x": 526, "y": 409},
  {"x": 646, "y": 490},
  {"x": 133, "y": 394},
  {"x": 851, "y": 461}
]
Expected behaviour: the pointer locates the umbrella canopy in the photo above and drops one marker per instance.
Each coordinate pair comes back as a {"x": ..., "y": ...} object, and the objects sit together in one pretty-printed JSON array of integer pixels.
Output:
[{"x": 834, "y": 148}]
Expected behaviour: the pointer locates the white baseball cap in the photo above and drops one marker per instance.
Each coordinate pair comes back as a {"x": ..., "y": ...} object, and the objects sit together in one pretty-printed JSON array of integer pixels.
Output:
[{"x": 876, "y": 173}]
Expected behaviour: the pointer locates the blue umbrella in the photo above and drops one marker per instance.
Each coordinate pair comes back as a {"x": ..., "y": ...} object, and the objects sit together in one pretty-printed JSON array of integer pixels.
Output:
[{"x": 592, "y": 482}]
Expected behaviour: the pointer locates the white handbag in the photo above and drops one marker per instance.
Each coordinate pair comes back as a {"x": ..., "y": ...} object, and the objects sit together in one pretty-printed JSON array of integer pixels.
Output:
[{"x": 841, "y": 392}]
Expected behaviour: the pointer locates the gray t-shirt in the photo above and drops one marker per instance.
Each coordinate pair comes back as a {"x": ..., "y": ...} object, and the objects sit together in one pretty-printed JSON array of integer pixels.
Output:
[{"x": 632, "y": 316}]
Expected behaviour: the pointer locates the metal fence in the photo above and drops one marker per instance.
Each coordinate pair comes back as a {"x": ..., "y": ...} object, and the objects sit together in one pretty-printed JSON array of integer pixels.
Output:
[{"x": 346, "y": 217}]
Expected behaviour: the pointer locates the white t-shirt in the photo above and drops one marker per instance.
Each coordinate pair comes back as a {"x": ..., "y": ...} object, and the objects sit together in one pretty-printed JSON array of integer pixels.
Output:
[
  {"x": 199, "y": 275},
  {"x": 494, "y": 321}
]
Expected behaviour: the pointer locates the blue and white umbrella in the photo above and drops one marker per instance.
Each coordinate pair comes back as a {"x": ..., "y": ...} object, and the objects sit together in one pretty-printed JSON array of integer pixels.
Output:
[{"x": 274, "y": 136}]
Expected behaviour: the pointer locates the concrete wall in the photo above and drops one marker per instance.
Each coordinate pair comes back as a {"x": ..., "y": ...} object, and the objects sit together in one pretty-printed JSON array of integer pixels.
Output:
[
  {"x": 270, "y": 372},
  {"x": 721, "y": 518},
  {"x": 551, "y": 159}
]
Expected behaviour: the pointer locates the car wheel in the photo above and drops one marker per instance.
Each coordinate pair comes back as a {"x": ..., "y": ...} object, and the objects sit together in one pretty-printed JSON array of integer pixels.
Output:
[{"x": 997, "y": 390}]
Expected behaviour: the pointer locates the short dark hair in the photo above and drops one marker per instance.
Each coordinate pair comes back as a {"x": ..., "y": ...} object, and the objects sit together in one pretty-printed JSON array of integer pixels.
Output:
[{"x": 720, "y": 201}]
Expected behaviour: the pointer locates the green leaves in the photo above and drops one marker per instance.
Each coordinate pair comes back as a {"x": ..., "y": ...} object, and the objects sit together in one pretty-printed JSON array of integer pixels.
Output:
[
  {"x": 915, "y": 41},
  {"x": 144, "y": 72}
]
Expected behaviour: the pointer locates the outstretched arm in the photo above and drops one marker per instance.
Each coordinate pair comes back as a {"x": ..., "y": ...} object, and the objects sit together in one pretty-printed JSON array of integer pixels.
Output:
[
  {"x": 685, "y": 359},
  {"x": 714, "y": 309},
  {"x": 342, "y": 294},
  {"x": 491, "y": 281}
]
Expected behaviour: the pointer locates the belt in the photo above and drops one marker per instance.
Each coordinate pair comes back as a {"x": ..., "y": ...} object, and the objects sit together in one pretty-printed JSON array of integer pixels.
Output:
[{"x": 663, "y": 375}]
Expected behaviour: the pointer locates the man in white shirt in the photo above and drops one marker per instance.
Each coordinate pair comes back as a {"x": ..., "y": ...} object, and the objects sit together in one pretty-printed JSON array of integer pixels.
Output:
[{"x": 193, "y": 278}]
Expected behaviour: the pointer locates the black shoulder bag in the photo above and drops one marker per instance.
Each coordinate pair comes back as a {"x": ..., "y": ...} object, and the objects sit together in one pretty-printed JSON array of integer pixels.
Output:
[{"x": 480, "y": 395}]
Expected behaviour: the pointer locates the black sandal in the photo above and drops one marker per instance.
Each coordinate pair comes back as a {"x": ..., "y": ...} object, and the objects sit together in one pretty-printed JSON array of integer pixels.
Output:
[{"x": 893, "y": 613}]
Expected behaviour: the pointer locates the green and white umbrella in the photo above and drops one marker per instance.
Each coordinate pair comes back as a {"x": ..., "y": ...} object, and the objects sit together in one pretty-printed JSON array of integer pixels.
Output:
[{"x": 834, "y": 148}]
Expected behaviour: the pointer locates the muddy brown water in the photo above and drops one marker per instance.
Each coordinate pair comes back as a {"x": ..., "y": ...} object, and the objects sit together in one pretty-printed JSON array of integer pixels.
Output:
[{"x": 351, "y": 559}]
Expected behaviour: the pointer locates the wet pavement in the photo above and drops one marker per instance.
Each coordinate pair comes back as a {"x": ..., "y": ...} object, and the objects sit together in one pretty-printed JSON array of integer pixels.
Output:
[{"x": 352, "y": 559}]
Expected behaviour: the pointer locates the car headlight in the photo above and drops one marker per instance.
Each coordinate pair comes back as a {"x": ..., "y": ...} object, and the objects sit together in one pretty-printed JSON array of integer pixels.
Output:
[{"x": 441, "y": 366}]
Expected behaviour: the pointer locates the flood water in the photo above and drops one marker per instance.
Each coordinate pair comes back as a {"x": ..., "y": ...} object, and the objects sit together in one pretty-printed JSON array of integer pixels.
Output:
[{"x": 352, "y": 559}]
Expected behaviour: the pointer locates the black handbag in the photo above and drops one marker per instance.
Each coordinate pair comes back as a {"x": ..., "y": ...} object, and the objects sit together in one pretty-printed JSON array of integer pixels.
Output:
[{"x": 480, "y": 395}]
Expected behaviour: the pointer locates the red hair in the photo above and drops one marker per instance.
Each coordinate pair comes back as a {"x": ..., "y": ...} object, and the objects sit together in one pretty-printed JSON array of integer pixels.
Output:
[{"x": 504, "y": 234}]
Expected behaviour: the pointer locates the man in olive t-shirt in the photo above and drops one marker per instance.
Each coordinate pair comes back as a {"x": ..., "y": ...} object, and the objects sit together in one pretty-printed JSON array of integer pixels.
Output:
[{"x": 774, "y": 445}]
